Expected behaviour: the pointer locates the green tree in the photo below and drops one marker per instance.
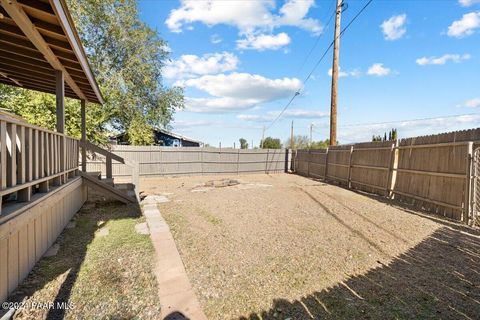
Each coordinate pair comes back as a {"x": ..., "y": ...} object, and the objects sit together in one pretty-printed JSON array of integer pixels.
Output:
[
  {"x": 299, "y": 142},
  {"x": 271, "y": 143},
  {"x": 320, "y": 144},
  {"x": 126, "y": 57},
  {"x": 243, "y": 143},
  {"x": 39, "y": 109}
]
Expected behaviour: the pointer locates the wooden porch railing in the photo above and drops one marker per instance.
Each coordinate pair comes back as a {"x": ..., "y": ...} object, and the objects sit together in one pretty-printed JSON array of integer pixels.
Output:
[
  {"x": 33, "y": 159},
  {"x": 109, "y": 157}
]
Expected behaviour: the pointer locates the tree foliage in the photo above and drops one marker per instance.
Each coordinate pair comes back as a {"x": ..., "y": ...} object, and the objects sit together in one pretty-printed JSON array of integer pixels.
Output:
[
  {"x": 299, "y": 142},
  {"x": 40, "y": 109},
  {"x": 392, "y": 135},
  {"x": 126, "y": 57},
  {"x": 243, "y": 143},
  {"x": 320, "y": 144},
  {"x": 303, "y": 142},
  {"x": 271, "y": 143}
]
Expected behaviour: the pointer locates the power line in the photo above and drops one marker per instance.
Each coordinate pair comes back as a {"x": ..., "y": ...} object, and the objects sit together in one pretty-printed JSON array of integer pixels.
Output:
[
  {"x": 318, "y": 37},
  {"x": 318, "y": 62},
  {"x": 408, "y": 120}
]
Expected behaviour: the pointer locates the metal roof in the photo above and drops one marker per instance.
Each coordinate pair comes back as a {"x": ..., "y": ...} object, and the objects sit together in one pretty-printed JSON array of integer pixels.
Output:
[{"x": 38, "y": 37}]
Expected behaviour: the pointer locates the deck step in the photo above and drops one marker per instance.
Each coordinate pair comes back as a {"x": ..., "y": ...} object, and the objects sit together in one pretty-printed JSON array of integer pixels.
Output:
[
  {"x": 120, "y": 195},
  {"x": 96, "y": 174}
]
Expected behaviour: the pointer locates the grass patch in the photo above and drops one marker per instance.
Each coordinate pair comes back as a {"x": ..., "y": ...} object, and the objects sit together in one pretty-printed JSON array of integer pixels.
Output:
[{"x": 107, "y": 276}]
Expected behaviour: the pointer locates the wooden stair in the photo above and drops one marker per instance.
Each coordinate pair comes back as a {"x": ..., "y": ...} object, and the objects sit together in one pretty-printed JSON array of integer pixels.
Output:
[{"x": 122, "y": 192}]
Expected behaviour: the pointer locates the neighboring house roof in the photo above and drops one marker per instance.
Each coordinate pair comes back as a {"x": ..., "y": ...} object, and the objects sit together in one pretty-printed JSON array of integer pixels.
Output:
[
  {"x": 166, "y": 132},
  {"x": 37, "y": 38},
  {"x": 176, "y": 135}
]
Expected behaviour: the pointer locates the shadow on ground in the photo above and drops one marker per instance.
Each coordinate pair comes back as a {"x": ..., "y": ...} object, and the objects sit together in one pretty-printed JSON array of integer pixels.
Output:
[
  {"x": 73, "y": 244},
  {"x": 438, "y": 278}
]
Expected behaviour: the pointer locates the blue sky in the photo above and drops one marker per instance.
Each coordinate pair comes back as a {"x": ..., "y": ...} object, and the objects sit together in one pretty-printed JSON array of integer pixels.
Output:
[{"x": 241, "y": 61}]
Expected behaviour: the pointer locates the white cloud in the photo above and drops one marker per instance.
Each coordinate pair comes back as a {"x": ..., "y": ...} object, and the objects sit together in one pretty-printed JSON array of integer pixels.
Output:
[
  {"x": 218, "y": 105},
  {"x": 342, "y": 74},
  {"x": 472, "y": 103},
  {"x": 377, "y": 69},
  {"x": 247, "y": 16},
  {"x": 467, "y": 3},
  {"x": 456, "y": 58},
  {"x": 215, "y": 39},
  {"x": 465, "y": 26},
  {"x": 238, "y": 91},
  {"x": 393, "y": 28},
  {"x": 291, "y": 113},
  {"x": 245, "y": 85},
  {"x": 263, "y": 42},
  {"x": 189, "y": 65},
  {"x": 409, "y": 128}
]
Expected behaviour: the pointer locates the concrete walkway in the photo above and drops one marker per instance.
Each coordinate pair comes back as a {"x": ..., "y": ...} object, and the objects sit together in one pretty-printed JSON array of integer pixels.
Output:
[{"x": 175, "y": 292}]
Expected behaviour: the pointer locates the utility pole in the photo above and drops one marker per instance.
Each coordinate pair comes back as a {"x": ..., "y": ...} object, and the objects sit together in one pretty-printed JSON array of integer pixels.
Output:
[
  {"x": 292, "y": 144},
  {"x": 263, "y": 137},
  {"x": 336, "y": 54},
  {"x": 311, "y": 130}
]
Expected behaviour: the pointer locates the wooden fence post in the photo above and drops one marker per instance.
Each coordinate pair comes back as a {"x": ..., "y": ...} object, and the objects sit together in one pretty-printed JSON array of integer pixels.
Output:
[
  {"x": 349, "y": 183},
  {"x": 266, "y": 161},
  {"x": 201, "y": 159},
  {"x": 326, "y": 165},
  {"x": 467, "y": 207},
  {"x": 238, "y": 161},
  {"x": 287, "y": 152},
  {"x": 308, "y": 163},
  {"x": 392, "y": 171}
]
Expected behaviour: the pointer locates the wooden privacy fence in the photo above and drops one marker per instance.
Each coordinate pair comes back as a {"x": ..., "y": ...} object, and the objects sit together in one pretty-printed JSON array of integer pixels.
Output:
[
  {"x": 434, "y": 173},
  {"x": 160, "y": 161},
  {"x": 32, "y": 159}
]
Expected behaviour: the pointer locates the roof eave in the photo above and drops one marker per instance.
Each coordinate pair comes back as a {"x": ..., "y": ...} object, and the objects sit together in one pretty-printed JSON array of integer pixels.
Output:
[{"x": 66, "y": 21}]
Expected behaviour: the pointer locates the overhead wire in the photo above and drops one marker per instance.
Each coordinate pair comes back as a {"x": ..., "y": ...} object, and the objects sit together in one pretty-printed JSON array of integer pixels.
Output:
[{"x": 297, "y": 93}]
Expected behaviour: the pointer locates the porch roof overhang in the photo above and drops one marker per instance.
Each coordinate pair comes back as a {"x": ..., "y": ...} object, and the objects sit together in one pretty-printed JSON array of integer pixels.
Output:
[{"x": 38, "y": 37}]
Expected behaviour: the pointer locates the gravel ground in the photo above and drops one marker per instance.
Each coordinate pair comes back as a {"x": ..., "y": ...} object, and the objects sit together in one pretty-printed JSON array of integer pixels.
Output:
[{"x": 286, "y": 247}]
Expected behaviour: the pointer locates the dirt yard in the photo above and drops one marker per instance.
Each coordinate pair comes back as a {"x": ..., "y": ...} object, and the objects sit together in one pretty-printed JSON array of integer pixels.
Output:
[{"x": 287, "y": 247}]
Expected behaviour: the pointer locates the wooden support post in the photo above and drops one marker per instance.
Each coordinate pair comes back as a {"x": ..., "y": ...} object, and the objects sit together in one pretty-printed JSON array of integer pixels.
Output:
[
  {"x": 84, "y": 135},
  {"x": 308, "y": 162},
  {"x": 392, "y": 172},
  {"x": 349, "y": 179},
  {"x": 287, "y": 151},
  {"x": 266, "y": 160},
  {"x": 109, "y": 167},
  {"x": 467, "y": 217},
  {"x": 326, "y": 165},
  {"x": 238, "y": 161},
  {"x": 335, "y": 71},
  {"x": 59, "y": 141},
  {"x": 60, "y": 100}
]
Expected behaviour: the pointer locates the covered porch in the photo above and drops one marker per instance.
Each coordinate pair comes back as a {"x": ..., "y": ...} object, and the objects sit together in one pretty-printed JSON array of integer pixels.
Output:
[{"x": 41, "y": 186}]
